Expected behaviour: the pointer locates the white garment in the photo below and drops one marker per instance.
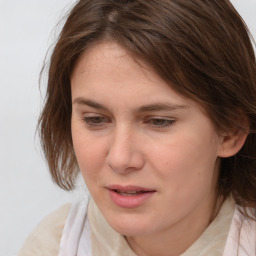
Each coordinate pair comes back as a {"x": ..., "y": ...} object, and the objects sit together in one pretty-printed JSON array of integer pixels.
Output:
[
  {"x": 242, "y": 236},
  {"x": 45, "y": 238},
  {"x": 76, "y": 239}
]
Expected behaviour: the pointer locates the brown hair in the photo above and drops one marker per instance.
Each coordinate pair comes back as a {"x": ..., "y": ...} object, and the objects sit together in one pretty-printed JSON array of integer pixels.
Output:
[{"x": 201, "y": 47}]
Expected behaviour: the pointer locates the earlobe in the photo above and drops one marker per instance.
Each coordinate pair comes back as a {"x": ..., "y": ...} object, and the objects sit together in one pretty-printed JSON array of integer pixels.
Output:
[{"x": 232, "y": 143}]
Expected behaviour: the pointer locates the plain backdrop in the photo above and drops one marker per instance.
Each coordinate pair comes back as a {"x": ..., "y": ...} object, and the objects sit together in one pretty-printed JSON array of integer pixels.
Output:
[{"x": 26, "y": 190}]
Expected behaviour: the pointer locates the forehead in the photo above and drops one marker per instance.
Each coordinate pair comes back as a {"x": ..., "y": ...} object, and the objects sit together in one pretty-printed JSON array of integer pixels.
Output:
[
  {"x": 104, "y": 58},
  {"x": 106, "y": 50},
  {"x": 108, "y": 66},
  {"x": 106, "y": 72}
]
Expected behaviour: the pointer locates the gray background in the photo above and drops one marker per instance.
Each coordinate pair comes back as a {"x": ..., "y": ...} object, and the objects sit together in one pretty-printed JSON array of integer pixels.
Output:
[{"x": 26, "y": 190}]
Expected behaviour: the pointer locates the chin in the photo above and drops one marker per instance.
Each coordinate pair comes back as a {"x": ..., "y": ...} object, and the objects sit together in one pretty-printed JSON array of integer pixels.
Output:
[{"x": 130, "y": 225}]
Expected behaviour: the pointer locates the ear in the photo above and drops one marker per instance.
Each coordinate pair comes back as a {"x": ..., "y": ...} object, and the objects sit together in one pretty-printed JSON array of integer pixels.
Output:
[{"x": 232, "y": 142}]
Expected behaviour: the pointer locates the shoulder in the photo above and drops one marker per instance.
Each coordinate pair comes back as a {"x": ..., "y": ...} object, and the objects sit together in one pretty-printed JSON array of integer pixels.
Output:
[{"x": 45, "y": 239}]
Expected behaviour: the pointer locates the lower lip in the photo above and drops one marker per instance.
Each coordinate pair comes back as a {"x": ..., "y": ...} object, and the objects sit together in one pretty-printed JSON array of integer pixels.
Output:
[{"x": 129, "y": 201}]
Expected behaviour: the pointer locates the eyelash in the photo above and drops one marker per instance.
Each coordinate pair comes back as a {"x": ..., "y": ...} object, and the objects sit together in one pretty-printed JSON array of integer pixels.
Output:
[
  {"x": 164, "y": 122},
  {"x": 94, "y": 121},
  {"x": 97, "y": 121}
]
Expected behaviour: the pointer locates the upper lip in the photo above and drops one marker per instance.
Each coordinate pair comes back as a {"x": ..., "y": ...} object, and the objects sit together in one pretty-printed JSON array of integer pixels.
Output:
[{"x": 129, "y": 188}]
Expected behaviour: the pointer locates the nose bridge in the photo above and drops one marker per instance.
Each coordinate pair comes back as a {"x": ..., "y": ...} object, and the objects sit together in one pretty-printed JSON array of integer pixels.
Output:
[{"x": 124, "y": 153}]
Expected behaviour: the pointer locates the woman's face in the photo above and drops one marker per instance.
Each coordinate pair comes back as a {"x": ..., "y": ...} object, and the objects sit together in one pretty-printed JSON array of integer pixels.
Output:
[{"x": 149, "y": 157}]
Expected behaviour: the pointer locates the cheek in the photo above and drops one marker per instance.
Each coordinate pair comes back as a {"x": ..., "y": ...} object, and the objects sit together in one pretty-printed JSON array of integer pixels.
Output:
[
  {"x": 186, "y": 161},
  {"x": 89, "y": 152},
  {"x": 90, "y": 161},
  {"x": 188, "y": 175}
]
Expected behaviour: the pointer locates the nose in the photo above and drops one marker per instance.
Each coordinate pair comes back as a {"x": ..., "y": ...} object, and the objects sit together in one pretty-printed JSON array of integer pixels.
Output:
[{"x": 124, "y": 154}]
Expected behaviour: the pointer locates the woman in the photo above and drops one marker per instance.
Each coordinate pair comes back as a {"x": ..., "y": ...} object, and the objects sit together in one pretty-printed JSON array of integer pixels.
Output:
[{"x": 154, "y": 102}]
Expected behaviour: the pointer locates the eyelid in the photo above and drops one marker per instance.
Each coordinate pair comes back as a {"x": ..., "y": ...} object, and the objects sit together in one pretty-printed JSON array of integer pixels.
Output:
[
  {"x": 166, "y": 120},
  {"x": 96, "y": 120},
  {"x": 90, "y": 120}
]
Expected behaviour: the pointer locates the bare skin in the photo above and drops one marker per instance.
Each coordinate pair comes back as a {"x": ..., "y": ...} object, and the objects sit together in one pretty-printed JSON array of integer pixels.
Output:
[{"x": 130, "y": 128}]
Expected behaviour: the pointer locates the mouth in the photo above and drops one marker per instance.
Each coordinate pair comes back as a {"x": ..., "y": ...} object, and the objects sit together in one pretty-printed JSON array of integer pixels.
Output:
[
  {"x": 129, "y": 196},
  {"x": 130, "y": 193},
  {"x": 129, "y": 190}
]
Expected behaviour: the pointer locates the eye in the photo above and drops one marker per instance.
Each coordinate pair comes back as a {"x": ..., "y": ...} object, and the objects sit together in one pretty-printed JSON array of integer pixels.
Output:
[
  {"x": 161, "y": 122},
  {"x": 94, "y": 121}
]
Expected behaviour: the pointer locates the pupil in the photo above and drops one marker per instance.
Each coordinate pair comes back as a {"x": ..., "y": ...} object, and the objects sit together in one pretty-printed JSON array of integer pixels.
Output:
[
  {"x": 97, "y": 119},
  {"x": 159, "y": 121}
]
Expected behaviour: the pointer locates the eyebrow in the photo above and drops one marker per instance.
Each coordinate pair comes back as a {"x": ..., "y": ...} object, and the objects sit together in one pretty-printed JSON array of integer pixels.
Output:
[
  {"x": 90, "y": 103},
  {"x": 147, "y": 108},
  {"x": 160, "y": 107}
]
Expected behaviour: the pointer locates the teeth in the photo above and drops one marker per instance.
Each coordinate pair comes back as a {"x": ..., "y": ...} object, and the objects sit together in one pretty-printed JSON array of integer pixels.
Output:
[
  {"x": 126, "y": 194},
  {"x": 130, "y": 193}
]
